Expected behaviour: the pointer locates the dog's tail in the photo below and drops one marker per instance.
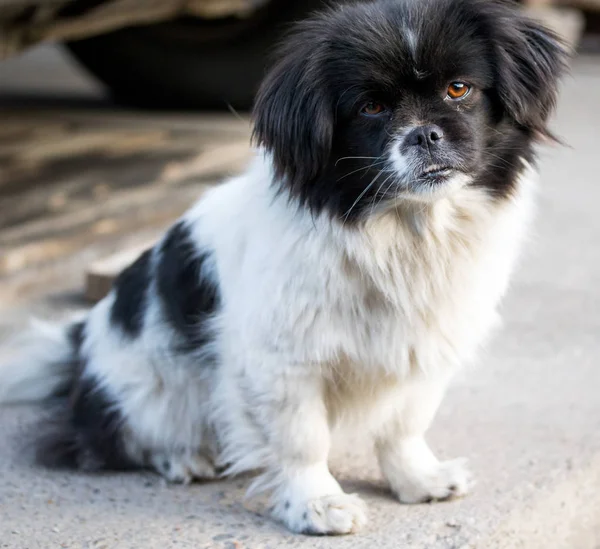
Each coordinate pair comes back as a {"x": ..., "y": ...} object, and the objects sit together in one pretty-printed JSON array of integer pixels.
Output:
[{"x": 39, "y": 363}]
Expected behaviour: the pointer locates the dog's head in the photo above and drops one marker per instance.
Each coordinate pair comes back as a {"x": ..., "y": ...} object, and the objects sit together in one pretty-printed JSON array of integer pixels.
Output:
[{"x": 374, "y": 103}]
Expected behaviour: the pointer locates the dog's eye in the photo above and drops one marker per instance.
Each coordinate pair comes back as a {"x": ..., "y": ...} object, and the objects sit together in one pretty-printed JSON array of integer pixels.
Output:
[
  {"x": 458, "y": 90},
  {"x": 372, "y": 108}
]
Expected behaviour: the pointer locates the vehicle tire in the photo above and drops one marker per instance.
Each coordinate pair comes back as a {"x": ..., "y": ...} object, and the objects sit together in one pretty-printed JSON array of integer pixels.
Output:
[{"x": 190, "y": 63}]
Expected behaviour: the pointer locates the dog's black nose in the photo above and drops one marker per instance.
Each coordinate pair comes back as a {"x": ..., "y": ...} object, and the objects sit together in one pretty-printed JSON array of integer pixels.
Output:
[{"x": 425, "y": 137}]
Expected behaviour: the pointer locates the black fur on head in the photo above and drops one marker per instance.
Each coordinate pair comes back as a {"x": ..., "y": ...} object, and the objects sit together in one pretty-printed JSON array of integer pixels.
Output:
[
  {"x": 294, "y": 117},
  {"x": 530, "y": 60},
  {"x": 357, "y": 110}
]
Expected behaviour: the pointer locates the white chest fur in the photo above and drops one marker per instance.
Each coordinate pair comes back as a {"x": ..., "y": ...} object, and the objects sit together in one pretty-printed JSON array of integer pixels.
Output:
[{"x": 416, "y": 289}]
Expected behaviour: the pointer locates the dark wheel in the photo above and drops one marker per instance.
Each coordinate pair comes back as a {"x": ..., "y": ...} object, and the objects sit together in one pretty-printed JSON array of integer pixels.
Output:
[{"x": 190, "y": 63}]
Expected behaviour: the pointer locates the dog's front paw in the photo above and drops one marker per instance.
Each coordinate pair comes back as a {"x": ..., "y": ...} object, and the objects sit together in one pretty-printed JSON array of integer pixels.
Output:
[
  {"x": 333, "y": 515},
  {"x": 447, "y": 479}
]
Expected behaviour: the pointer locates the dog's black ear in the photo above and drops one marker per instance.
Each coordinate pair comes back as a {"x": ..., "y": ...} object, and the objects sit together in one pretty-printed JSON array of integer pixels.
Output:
[
  {"x": 293, "y": 116},
  {"x": 531, "y": 61}
]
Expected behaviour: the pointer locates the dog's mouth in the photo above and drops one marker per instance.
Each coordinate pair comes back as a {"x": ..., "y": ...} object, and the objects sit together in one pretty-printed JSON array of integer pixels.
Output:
[{"x": 437, "y": 173}]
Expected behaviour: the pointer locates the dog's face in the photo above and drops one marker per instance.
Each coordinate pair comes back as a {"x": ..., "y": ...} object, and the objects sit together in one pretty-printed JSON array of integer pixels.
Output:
[
  {"x": 374, "y": 104},
  {"x": 418, "y": 115}
]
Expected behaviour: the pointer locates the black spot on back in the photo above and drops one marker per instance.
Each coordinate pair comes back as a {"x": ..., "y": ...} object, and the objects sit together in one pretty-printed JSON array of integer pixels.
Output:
[
  {"x": 188, "y": 295},
  {"x": 131, "y": 288}
]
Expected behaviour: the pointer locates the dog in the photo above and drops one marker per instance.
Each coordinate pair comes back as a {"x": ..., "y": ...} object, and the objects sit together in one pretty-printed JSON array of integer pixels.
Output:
[{"x": 345, "y": 277}]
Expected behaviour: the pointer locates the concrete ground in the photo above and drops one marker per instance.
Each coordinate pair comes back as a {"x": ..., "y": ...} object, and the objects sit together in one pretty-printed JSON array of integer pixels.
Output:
[{"x": 528, "y": 417}]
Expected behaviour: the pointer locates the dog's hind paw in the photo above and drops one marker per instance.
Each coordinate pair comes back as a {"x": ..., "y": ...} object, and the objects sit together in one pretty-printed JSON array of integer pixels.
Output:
[{"x": 183, "y": 468}]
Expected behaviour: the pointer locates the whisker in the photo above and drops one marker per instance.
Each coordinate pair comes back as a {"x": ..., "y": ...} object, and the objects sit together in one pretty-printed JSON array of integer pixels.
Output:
[
  {"x": 232, "y": 110},
  {"x": 503, "y": 161},
  {"x": 345, "y": 217},
  {"x": 357, "y": 158},
  {"x": 360, "y": 169},
  {"x": 373, "y": 203},
  {"x": 342, "y": 95}
]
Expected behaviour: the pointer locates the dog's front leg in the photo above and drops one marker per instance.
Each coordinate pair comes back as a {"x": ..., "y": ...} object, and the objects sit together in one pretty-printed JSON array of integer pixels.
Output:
[
  {"x": 288, "y": 408},
  {"x": 410, "y": 467}
]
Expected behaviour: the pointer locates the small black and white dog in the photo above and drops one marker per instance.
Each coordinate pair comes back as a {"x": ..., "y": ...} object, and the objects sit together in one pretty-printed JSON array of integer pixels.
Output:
[{"x": 346, "y": 276}]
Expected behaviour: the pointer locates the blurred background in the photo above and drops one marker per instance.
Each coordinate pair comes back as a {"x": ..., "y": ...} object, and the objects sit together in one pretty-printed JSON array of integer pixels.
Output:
[{"x": 116, "y": 112}]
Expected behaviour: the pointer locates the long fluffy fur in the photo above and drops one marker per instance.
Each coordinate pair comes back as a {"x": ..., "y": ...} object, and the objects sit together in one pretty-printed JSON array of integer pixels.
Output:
[
  {"x": 37, "y": 363},
  {"x": 265, "y": 316}
]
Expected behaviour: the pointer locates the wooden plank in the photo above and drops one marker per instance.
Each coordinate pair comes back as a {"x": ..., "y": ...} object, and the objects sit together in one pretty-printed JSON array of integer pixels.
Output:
[
  {"x": 102, "y": 181},
  {"x": 78, "y": 186},
  {"x": 100, "y": 274},
  {"x": 63, "y": 281},
  {"x": 51, "y": 239},
  {"x": 219, "y": 125}
]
